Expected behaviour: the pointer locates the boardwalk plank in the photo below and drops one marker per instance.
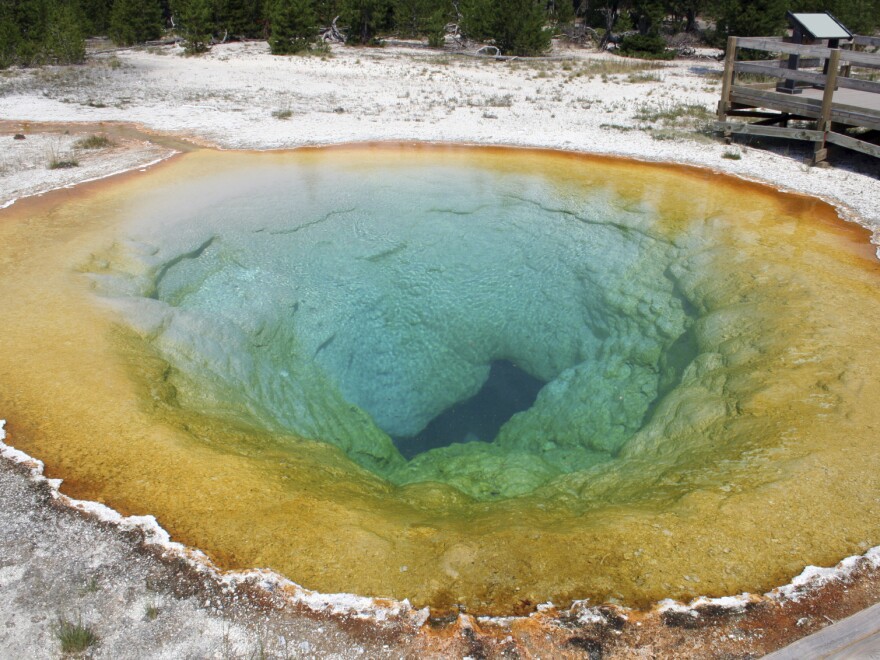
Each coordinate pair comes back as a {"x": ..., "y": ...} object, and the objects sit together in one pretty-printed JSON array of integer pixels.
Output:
[{"x": 857, "y": 636}]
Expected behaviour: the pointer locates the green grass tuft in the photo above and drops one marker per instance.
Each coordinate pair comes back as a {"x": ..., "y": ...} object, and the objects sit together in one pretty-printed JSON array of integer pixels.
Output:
[
  {"x": 151, "y": 611},
  {"x": 643, "y": 78},
  {"x": 94, "y": 142},
  {"x": 90, "y": 587},
  {"x": 74, "y": 637},
  {"x": 614, "y": 67},
  {"x": 63, "y": 164},
  {"x": 672, "y": 113},
  {"x": 617, "y": 127}
]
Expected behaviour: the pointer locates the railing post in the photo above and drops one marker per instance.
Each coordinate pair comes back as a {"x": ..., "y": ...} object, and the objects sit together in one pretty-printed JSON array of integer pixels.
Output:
[
  {"x": 727, "y": 79},
  {"x": 824, "y": 122},
  {"x": 727, "y": 83}
]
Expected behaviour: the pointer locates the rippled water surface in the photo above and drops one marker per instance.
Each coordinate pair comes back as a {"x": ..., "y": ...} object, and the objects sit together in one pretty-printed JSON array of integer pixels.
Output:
[{"x": 475, "y": 377}]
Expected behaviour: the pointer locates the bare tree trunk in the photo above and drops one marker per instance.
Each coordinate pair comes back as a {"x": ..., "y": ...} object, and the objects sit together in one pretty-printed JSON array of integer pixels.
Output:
[
  {"x": 332, "y": 33},
  {"x": 611, "y": 12},
  {"x": 691, "y": 24}
]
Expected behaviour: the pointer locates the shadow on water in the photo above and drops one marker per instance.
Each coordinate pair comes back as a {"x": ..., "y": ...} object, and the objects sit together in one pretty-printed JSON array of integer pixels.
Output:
[{"x": 507, "y": 391}]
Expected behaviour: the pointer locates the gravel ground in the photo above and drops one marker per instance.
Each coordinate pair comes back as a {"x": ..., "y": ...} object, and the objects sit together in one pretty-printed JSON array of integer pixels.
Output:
[
  {"x": 58, "y": 564},
  {"x": 25, "y": 163}
]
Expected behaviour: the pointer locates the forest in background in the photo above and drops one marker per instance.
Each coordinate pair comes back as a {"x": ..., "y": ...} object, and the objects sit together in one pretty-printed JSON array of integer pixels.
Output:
[{"x": 35, "y": 32}]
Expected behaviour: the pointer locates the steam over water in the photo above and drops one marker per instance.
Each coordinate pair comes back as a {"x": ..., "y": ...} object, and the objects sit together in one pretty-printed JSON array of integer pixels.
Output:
[{"x": 464, "y": 376}]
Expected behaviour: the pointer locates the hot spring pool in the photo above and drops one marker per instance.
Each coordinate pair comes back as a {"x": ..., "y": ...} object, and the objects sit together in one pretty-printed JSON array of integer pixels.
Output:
[{"x": 470, "y": 377}]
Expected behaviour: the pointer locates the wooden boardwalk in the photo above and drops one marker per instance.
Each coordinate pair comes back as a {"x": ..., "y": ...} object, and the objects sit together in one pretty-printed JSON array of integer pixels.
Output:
[
  {"x": 821, "y": 95},
  {"x": 856, "y": 637}
]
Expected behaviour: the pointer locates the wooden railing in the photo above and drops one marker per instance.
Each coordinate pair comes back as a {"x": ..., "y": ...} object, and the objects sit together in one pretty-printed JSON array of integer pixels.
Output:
[
  {"x": 861, "y": 40},
  {"x": 807, "y": 67}
]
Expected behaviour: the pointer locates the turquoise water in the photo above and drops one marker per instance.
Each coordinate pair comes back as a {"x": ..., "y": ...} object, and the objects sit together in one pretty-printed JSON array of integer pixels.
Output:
[
  {"x": 353, "y": 306},
  {"x": 474, "y": 378}
]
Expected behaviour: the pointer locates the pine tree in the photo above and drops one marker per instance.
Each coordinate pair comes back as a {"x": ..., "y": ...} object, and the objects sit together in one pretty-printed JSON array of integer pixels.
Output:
[
  {"x": 97, "y": 16},
  {"x": 684, "y": 13},
  {"x": 561, "y": 12},
  {"x": 750, "y": 18},
  {"x": 364, "y": 18},
  {"x": 647, "y": 15},
  {"x": 477, "y": 19},
  {"x": 293, "y": 26},
  {"x": 9, "y": 38},
  {"x": 239, "y": 18},
  {"x": 194, "y": 24},
  {"x": 521, "y": 28},
  {"x": 64, "y": 40},
  {"x": 327, "y": 10},
  {"x": 135, "y": 21},
  {"x": 31, "y": 18},
  {"x": 436, "y": 27},
  {"x": 518, "y": 27},
  {"x": 413, "y": 17}
]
